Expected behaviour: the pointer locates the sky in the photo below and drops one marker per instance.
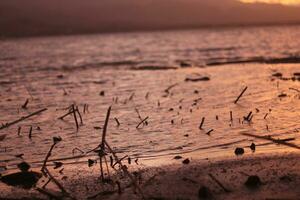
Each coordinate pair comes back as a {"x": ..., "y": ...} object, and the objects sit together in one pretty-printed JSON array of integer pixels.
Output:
[
  {"x": 285, "y": 2},
  {"x": 56, "y": 17}
]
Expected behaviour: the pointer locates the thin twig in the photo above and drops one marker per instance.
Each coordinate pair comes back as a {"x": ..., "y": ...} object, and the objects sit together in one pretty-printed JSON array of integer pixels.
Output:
[
  {"x": 297, "y": 90},
  {"x": 202, "y": 122},
  {"x": 102, "y": 144},
  {"x": 105, "y": 127},
  {"x": 277, "y": 141},
  {"x": 219, "y": 183},
  {"x": 238, "y": 98},
  {"x": 170, "y": 87},
  {"x": 75, "y": 118},
  {"x": 78, "y": 112},
  {"x": 62, "y": 117},
  {"x": 24, "y": 106},
  {"x": 141, "y": 122},
  {"x": 118, "y": 123},
  {"x": 47, "y": 157},
  {"x": 22, "y": 118}
]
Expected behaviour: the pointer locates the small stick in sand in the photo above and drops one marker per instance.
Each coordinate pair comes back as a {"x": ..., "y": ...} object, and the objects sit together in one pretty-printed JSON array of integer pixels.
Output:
[
  {"x": 30, "y": 132},
  {"x": 147, "y": 95},
  {"x": 19, "y": 130},
  {"x": 44, "y": 186},
  {"x": 76, "y": 149},
  {"x": 118, "y": 123},
  {"x": 238, "y": 98},
  {"x": 131, "y": 97},
  {"x": 102, "y": 144},
  {"x": 84, "y": 108},
  {"x": 62, "y": 117},
  {"x": 47, "y": 173},
  {"x": 248, "y": 118},
  {"x": 107, "y": 169},
  {"x": 211, "y": 130},
  {"x": 75, "y": 117},
  {"x": 111, "y": 161},
  {"x": 24, "y": 106},
  {"x": 56, "y": 140},
  {"x": 231, "y": 118},
  {"x": 136, "y": 161},
  {"x": 276, "y": 141},
  {"x": 65, "y": 92},
  {"x": 119, "y": 160},
  {"x": 78, "y": 112},
  {"x": 105, "y": 127},
  {"x": 219, "y": 183},
  {"x": 170, "y": 87},
  {"x": 22, "y": 118},
  {"x": 266, "y": 115},
  {"x": 138, "y": 113},
  {"x": 141, "y": 122},
  {"x": 202, "y": 122},
  {"x": 297, "y": 90}
]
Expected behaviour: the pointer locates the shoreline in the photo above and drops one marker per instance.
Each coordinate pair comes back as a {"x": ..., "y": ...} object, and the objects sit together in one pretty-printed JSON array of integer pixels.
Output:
[{"x": 279, "y": 176}]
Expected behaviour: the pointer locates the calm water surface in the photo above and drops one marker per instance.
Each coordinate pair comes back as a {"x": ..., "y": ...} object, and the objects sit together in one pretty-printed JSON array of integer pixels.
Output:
[{"x": 55, "y": 72}]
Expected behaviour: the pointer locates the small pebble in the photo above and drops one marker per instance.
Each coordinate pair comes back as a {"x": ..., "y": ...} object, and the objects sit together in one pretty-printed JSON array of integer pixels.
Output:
[
  {"x": 239, "y": 151},
  {"x": 186, "y": 161},
  {"x": 177, "y": 157},
  {"x": 253, "y": 182},
  {"x": 253, "y": 147},
  {"x": 102, "y": 93}
]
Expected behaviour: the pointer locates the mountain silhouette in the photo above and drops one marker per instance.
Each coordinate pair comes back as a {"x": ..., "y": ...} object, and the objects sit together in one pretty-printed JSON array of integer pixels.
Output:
[{"x": 51, "y": 17}]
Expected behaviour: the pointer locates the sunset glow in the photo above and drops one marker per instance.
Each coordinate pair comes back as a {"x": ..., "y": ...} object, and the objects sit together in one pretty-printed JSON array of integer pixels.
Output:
[{"x": 286, "y": 2}]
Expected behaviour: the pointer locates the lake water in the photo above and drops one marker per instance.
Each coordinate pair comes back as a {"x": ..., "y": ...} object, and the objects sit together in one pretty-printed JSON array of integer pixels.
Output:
[
  {"x": 197, "y": 47},
  {"x": 55, "y": 72}
]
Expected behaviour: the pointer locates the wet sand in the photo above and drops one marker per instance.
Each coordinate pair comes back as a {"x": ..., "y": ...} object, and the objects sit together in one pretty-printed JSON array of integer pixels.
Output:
[
  {"x": 279, "y": 179},
  {"x": 174, "y": 101}
]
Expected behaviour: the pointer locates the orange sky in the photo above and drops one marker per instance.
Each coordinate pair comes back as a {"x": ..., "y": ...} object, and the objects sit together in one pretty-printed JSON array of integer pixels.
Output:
[{"x": 288, "y": 2}]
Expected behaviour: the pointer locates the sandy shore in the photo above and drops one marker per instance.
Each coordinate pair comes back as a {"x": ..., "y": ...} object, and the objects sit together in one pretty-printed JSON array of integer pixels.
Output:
[
  {"x": 174, "y": 101},
  {"x": 279, "y": 176}
]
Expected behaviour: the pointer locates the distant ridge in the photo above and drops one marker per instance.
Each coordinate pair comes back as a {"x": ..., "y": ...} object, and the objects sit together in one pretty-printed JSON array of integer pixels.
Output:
[{"x": 19, "y": 18}]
